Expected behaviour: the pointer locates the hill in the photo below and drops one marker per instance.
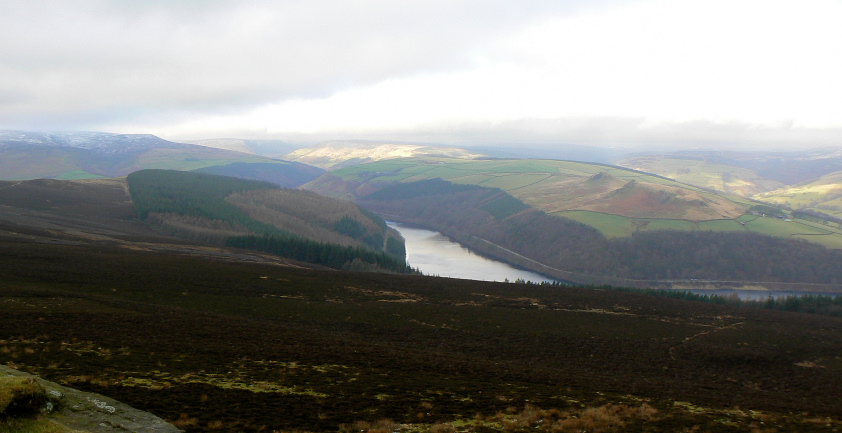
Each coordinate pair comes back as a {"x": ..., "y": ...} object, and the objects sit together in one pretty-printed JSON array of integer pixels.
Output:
[
  {"x": 286, "y": 174},
  {"x": 822, "y": 195},
  {"x": 259, "y": 215},
  {"x": 267, "y": 148},
  {"x": 85, "y": 155},
  {"x": 332, "y": 155},
  {"x": 495, "y": 223},
  {"x": 615, "y": 200},
  {"x": 809, "y": 180},
  {"x": 224, "y": 343},
  {"x": 703, "y": 172},
  {"x": 176, "y": 208},
  {"x": 752, "y": 169}
]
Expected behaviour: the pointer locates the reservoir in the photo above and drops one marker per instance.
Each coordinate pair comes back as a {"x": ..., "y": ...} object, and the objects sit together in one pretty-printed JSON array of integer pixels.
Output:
[{"x": 434, "y": 254}]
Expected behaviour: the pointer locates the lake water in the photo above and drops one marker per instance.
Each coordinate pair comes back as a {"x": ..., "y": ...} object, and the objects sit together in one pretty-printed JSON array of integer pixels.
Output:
[{"x": 434, "y": 254}]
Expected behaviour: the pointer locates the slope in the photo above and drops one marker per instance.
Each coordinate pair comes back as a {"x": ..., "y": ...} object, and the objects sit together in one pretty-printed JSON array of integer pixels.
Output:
[
  {"x": 494, "y": 223},
  {"x": 703, "y": 173},
  {"x": 221, "y": 345},
  {"x": 615, "y": 200},
  {"x": 194, "y": 213},
  {"x": 756, "y": 167},
  {"x": 259, "y": 215},
  {"x": 84, "y": 155},
  {"x": 822, "y": 195},
  {"x": 332, "y": 155}
]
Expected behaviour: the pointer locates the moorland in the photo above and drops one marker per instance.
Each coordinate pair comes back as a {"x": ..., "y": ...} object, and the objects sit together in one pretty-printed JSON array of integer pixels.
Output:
[{"x": 227, "y": 340}]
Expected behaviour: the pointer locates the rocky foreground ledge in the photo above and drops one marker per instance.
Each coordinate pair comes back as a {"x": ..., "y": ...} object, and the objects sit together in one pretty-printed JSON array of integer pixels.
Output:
[{"x": 94, "y": 413}]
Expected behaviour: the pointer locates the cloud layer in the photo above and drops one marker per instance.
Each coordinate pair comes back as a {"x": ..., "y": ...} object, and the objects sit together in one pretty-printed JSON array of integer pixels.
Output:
[{"x": 744, "y": 72}]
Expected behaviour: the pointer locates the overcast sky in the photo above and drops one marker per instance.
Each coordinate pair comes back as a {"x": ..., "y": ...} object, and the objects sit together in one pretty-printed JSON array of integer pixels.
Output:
[{"x": 684, "y": 73}]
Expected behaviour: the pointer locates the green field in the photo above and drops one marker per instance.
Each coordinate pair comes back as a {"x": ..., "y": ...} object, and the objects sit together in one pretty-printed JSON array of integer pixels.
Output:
[
  {"x": 721, "y": 226},
  {"x": 582, "y": 192},
  {"x": 612, "y": 226},
  {"x": 617, "y": 226},
  {"x": 77, "y": 175}
]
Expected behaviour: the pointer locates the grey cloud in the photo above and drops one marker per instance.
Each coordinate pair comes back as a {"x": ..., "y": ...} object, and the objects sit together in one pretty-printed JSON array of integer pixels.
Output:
[
  {"x": 624, "y": 134},
  {"x": 96, "y": 61}
]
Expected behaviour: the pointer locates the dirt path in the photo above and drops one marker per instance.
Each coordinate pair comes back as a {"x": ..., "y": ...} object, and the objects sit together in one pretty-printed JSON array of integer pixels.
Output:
[{"x": 703, "y": 333}]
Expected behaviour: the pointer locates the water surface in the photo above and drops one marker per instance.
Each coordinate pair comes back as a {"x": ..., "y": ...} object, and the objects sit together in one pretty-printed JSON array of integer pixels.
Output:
[{"x": 434, "y": 254}]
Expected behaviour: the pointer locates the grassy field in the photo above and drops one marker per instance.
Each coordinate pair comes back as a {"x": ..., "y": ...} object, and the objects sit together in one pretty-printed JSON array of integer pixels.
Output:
[{"x": 598, "y": 195}]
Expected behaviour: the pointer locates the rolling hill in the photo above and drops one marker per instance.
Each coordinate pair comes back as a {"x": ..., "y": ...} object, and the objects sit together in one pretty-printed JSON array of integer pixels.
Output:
[
  {"x": 703, "y": 172},
  {"x": 333, "y": 155},
  {"x": 86, "y": 155},
  {"x": 754, "y": 170},
  {"x": 598, "y": 224},
  {"x": 267, "y": 148},
  {"x": 809, "y": 180},
  {"x": 174, "y": 207},
  {"x": 822, "y": 195},
  {"x": 616, "y": 201}
]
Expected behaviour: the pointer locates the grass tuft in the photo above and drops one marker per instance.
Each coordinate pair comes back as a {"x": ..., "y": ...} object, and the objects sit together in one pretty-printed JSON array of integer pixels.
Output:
[{"x": 20, "y": 396}]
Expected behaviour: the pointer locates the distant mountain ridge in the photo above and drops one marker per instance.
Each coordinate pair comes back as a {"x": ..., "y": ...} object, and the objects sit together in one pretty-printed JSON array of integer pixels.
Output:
[
  {"x": 332, "y": 155},
  {"x": 99, "y": 141},
  {"x": 86, "y": 155}
]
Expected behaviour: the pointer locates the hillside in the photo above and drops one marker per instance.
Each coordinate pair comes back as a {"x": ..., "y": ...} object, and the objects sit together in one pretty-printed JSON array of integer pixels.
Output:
[
  {"x": 756, "y": 169},
  {"x": 267, "y": 148},
  {"x": 822, "y": 195},
  {"x": 333, "y": 155},
  {"x": 85, "y": 155},
  {"x": 496, "y": 224},
  {"x": 548, "y": 185},
  {"x": 221, "y": 343},
  {"x": 259, "y": 215},
  {"x": 183, "y": 210},
  {"x": 616, "y": 201},
  {"x": 704, "y": 173},
  {"x": 286, "y": 174},
  {"x": 796, "y": 180}
]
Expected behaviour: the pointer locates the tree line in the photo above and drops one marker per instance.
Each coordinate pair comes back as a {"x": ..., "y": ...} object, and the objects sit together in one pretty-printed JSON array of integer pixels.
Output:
[{"x": 197, "y": 205}]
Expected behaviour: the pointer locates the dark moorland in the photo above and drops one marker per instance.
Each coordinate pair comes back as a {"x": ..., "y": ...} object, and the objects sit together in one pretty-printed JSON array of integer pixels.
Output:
[{"x": 220, "y": 339}]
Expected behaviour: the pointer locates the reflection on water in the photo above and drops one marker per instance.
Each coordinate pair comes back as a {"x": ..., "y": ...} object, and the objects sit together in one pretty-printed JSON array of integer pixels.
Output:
[{"x": 435, "y": 254}]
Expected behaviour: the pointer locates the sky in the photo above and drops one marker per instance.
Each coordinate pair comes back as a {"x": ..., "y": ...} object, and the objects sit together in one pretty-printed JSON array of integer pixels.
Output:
[{"x": 754, "y": 74}]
